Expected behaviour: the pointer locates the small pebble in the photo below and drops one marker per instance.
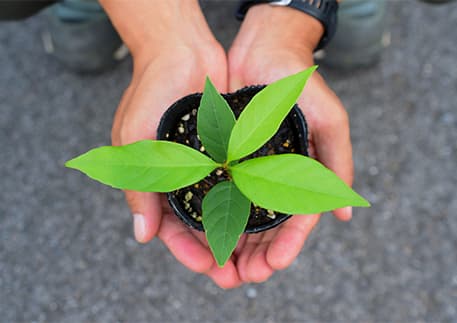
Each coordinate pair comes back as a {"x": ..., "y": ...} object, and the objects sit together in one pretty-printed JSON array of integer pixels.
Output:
[
  {"x": 373, "y": 170},
  {"x": 251, "y": 292},
  {"x": 198, "y": 218},
  {"x": 194, "y": 112},
  {"x": 219, "y": 172},
  {"x": 454, "y": 280},
  {"x": 428, "y": 69},
  {"x": 188, "y": 196},
  {"x": 185, "y": 117},
  {"x": 447, "y": 118},
  {"x": 181, "y": 129},
  {"x": 194, "y": 215},
  {"x": 167, "y": 135},
  {"x": 271, "y": 214},
  {"x": 202, "y": 148}
]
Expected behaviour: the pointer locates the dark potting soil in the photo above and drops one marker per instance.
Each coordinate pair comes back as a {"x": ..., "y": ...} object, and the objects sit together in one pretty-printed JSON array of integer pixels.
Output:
[{"x": 185, "y": 132}]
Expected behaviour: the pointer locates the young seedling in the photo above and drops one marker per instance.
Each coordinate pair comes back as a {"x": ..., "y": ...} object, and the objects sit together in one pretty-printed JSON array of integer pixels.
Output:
[{"x": 286, "y": 183}]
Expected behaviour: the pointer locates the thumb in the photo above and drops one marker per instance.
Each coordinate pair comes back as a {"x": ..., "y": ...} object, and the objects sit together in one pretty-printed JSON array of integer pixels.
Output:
[
  {"x": 330, "y": 134},
  {"x": 147, "y": 214}
]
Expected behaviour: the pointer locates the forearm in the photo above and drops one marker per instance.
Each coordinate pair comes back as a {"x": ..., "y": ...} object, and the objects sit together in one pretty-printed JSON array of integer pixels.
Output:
[{"x": 146, "y": 27}]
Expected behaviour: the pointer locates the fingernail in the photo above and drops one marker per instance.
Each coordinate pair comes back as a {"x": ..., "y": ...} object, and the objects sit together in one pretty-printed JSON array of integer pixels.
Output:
[
  {"x": 139, "y": 227},
  {"x": 348, "y": 211}
]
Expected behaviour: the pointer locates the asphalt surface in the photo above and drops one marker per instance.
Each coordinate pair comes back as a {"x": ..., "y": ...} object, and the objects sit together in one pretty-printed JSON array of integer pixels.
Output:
[{"x": 66, "y": 248}]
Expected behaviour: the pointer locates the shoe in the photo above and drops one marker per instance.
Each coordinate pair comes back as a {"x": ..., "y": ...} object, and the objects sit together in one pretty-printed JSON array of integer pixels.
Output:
[
  {"x": 360, "y": 36},
  {"x": 81, "y": 36},
  {"x": 437, "y": 1}
]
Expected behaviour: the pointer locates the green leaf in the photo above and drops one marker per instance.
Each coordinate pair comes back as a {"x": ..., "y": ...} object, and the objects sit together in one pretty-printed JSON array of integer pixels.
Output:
[
  {"x": 293, "y": 184},
  {"x": 263, "y": 115},
  {"x": 225, "y": 216},
  {"x": 215, "y": 121},
  {"x": 146, "y": 166}
]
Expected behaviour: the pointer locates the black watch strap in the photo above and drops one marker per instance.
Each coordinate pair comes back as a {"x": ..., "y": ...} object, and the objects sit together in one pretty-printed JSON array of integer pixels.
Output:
[{"x": 323, "y": 10}]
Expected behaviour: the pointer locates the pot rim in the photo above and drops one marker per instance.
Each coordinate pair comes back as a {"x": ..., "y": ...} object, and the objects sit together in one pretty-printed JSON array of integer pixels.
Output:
[{"x": 175, "y": 112}]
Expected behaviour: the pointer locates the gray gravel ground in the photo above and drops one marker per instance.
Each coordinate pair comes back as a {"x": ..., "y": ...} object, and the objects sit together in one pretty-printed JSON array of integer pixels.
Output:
[{"x": 66, "y": 247}]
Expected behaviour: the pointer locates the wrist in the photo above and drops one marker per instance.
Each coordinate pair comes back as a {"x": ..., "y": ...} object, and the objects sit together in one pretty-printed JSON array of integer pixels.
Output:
[{"x": 287, "y": 26}]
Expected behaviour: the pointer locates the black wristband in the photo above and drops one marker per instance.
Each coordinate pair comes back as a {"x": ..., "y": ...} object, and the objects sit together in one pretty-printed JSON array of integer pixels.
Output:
[{"x": 323, "y": 10}]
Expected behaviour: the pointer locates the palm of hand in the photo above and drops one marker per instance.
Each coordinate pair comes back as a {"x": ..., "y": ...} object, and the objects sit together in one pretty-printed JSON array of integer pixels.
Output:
[
  {"x": 258, "y": 256},
  {"x": 155, "y": 87}
]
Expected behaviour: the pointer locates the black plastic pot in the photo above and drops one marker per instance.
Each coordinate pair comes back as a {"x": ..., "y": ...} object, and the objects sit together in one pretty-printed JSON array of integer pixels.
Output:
[{"x": 171, "y": 127}]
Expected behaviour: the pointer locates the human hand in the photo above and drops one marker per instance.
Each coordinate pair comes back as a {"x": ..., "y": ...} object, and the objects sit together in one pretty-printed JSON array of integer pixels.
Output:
[
  {"x": 274, "y": 42},
  {"x": 172, "y": 64}
]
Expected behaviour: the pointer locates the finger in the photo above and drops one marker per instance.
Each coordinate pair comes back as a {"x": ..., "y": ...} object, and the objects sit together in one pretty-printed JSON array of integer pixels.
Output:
[
  {"x": 289, "y": 240},
  {"x": 343, "y": 214},
  {"x": 258, "y": 269},
  {"x": 330, "y": 135},
  {"x": 183, "y": 244},
  {"x": 146, "y": 211},
  {"x": 244, "y": 254},
  {"x": 239, "y": 246},
  {"x": 225, "y": 277},
  {"x": 334, "y": 150},
  {"x": 251, "y": 262}
]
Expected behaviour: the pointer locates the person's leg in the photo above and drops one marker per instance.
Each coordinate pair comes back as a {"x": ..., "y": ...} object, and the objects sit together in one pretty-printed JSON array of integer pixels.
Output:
[
  {"x": 361, "y": 34},
  {"x": 81, "y": 36},
  {"x": 359, "y": 37},
  {"x": 437, "y": 1},
  {"x": 15, "y": 10}
]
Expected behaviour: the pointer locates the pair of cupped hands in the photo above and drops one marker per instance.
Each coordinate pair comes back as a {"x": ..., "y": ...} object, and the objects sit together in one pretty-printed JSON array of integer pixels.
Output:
[{"x": 176, "y": 65}]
